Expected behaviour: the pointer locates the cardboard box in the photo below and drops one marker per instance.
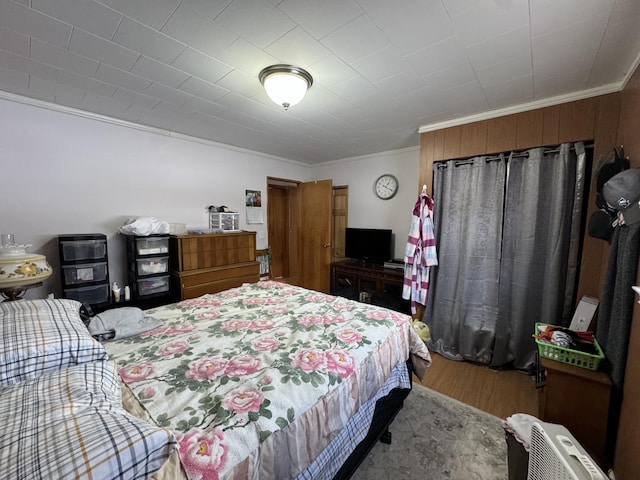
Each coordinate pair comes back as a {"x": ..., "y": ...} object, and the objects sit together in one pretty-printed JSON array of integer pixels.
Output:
[{"x": 583, "y": 316}]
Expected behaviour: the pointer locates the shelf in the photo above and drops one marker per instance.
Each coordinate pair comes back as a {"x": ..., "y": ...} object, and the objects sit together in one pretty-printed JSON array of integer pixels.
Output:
[{"x": 376, "y": 284}]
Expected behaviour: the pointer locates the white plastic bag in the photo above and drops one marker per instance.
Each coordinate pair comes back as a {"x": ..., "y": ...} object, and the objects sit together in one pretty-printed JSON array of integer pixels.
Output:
[{"x": 144, "y": 226}]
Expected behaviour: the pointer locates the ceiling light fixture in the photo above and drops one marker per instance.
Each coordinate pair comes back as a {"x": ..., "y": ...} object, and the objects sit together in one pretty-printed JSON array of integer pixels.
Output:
[{"x": 286, "y": 85}]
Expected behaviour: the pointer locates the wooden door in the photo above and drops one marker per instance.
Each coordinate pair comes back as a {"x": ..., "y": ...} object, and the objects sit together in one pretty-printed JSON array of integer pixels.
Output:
[
  {"x": 340, "y": 217},
  {"x": 315, "y": 200}
]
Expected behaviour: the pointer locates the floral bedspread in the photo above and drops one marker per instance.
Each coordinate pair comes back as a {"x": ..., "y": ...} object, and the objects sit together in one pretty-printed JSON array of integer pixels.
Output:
[{"x": 229, "y": 372}]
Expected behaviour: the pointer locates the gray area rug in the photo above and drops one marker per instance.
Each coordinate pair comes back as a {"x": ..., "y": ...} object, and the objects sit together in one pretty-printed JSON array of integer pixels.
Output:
[{"x": 436, "y": 437}]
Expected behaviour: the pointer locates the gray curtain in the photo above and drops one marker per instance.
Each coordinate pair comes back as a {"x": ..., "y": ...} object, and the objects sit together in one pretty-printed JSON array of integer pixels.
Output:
[
  {"x": 469, "y": 201},
  {"x": 508, "y": 242},
  {"x": 539, "y": 249}
]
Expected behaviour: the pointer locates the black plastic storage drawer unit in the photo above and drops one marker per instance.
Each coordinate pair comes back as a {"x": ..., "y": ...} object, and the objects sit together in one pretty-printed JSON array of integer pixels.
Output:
[
  {"x": 148, "y": 272},
  {"x": 84, "y": 268}
]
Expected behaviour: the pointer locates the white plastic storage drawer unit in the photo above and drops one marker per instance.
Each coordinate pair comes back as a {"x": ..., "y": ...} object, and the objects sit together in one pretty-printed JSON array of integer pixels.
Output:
[{"x": 224, "y": 222}]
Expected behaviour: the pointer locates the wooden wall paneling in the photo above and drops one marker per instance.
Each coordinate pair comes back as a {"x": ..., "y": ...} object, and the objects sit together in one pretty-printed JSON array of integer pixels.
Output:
[
  {"x": 438, "y": 148},
  {"x": 501, "y": 136},
  {"x": 551, "y": 125},
  {"x": 595, "y": 251},
  {"x": 427, "y": 145},
  {"x": 473, "y": 140},
  {"x": 529, "y": 127},
  {"x": 629, "y": 119},
  {"x": 607, "y": 121},
  {"x": 577, "y": 120},
  {"x": 427, "y": 155},
  {"x": 452, "y": 137}
]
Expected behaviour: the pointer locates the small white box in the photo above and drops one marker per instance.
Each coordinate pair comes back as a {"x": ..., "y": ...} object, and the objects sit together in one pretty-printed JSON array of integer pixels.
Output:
[
  {"x": 584, "y": 314},
  {"x": 224, "y": 221}
]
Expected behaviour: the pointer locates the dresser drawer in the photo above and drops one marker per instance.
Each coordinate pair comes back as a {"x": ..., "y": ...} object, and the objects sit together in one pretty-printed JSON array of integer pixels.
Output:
[
  {"x": 199, "y": 252},
  {"x": 213, "y": 280}
]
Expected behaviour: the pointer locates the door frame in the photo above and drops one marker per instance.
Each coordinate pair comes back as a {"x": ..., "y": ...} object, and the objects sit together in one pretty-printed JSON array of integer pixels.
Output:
[
  {"x": 290, "y": 261},
  {"x": 290, "y": 229}
]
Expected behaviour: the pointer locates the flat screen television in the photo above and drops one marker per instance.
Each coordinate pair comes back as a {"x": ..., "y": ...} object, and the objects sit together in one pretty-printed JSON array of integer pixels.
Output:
[{"x": 369, "y": 245}]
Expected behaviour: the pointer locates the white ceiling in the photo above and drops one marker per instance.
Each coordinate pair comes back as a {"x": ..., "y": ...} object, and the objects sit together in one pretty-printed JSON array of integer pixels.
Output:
[{"x": 382, "y": 69}]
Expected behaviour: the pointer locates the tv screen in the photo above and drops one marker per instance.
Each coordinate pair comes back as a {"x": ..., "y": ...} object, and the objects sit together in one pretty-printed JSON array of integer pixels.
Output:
[{"x": 371, "y": 245}]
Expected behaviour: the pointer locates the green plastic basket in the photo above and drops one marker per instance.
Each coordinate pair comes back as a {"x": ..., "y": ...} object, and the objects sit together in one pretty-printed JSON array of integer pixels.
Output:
[{"x": 567, "y": 355}]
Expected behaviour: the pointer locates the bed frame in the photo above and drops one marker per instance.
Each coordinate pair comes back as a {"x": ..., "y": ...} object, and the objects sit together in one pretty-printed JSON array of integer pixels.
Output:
[{"x": 385, "y": 411}]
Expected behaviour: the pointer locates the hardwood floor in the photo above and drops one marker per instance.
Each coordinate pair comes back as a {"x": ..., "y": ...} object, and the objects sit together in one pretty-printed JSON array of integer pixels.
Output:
[{"x": 501, "y": 393}]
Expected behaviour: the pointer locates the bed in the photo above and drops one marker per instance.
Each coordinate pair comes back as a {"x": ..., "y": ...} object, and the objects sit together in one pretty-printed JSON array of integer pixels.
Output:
[
  {"x": 61, "y": 401},
  {"x": 269, "y": 380}
]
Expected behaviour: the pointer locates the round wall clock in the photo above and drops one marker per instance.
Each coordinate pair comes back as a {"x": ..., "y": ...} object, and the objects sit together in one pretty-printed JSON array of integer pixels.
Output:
[{"x": 386, "y": 186}]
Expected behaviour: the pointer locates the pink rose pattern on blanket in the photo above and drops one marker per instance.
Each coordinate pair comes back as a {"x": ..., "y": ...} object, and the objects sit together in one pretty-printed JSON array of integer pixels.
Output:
[{"x": 246, "y": 359}]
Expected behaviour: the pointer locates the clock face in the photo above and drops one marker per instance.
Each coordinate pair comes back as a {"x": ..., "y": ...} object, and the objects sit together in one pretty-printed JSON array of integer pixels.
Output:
[{"x": 385, "y": 186}]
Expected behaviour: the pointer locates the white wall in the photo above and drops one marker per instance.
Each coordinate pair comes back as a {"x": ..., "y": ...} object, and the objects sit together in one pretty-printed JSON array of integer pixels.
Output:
[
  {"x": 62, "y": 173},
  {"x": 66, "y": 174},
  {"x": 365, "y": 209}
]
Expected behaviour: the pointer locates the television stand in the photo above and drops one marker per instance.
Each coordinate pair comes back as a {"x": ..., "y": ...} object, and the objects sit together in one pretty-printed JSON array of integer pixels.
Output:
[{"x": 369, "y": 283}]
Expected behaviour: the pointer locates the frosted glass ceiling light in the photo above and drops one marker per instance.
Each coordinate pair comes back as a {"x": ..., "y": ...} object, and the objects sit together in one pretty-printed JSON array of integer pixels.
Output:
[{"x": 286, "y": 85}]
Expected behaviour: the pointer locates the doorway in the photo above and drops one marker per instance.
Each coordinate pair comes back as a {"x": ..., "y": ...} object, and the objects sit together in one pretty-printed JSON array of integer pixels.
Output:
[
  {"x": 300, "y": 226},
  {"x": 282, "y": 228},
  {"x": 339, "y": 221}
]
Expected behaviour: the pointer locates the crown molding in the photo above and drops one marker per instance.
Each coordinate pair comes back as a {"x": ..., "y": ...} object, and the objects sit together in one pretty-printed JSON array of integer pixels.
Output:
[
  {"x": 631, "y": 71},
  {"x": 12, "y": 97},
  {"x": 525, "y": 107},
  {"x": 414, "y": 148}
]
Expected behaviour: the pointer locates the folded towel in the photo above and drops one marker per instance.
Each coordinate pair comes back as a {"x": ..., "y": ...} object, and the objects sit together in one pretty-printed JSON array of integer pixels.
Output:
[
  {"x": 120, "y": 323},
  {"x": 519, "y": 425}
]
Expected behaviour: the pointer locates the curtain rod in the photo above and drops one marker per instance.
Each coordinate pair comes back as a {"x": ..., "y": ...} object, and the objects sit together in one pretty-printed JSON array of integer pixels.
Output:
[{"x": 513, "y": 154}]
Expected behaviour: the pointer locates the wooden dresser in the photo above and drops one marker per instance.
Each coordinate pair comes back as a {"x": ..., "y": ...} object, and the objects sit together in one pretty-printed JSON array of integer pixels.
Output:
[
  {"x": 210, "y": 263},
  {"x": 578, "y": 399}
]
